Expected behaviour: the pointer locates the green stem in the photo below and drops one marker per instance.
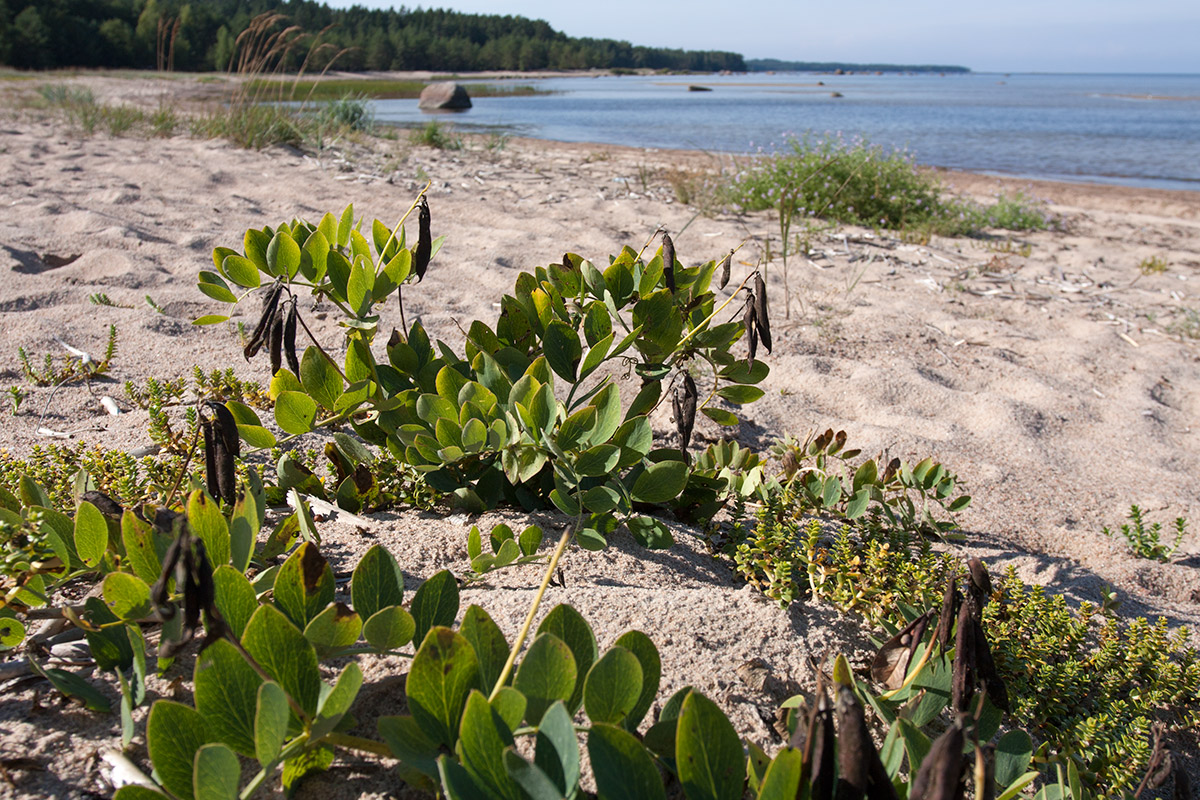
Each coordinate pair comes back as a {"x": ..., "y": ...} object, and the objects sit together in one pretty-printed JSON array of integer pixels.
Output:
[
  {"x": 349, "y": 742},
  {"x": 294, "y": 747},
  {"x": 537, "y": 601}
]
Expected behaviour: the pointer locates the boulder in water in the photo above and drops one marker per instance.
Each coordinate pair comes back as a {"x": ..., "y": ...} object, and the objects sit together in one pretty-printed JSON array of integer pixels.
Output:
[{"x": 444, "y": 96}]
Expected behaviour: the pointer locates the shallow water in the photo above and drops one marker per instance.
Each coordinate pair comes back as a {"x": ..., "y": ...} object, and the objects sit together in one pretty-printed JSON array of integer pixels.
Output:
[{"x": 1140, "y": 130}]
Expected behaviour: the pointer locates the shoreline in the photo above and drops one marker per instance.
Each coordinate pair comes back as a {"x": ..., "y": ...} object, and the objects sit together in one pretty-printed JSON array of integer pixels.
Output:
[{"x": 1054, "y": 372}]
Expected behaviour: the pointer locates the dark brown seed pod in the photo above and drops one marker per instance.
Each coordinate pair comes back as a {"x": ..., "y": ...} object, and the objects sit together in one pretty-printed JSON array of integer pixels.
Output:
[
  {"x": 890, "y": 665},
  {"x": 424, "y": 241},
  {"x": 985, "y": 665},
  {"x": 212, "y": 483},
  {"x": 861, "y": 772},
  {"x": 892, "y": 468},
  {"x": 259, "y": 337},
  {"x": 940, "y": 775},
  {"x": 950, "y": 602},
  {"x": 159, "y": 592},
  {"x": 980, "y": 585},
  {"x": 760, "y": 310},
  {"x": 684, "y": 405},
  {"x": 275, "y": 341},
  {"x": 668, "y": 259},
  {"x": 289, "y": 338},
  {"x": 819, "y": 748},
  {"x": 104, "y": 504},
  {"x": 723, "y": 281},
  {"x": 962, "y": 678},
  {"x": 749, "y": 323}
]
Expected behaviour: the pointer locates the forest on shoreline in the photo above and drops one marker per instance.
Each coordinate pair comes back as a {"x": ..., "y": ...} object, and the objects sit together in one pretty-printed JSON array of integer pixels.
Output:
[{"x": 201, "y": 37}]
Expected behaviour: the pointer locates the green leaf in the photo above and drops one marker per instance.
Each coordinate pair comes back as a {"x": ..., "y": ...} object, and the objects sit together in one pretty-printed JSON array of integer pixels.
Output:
[
  {"x": 740, "y": 394},
  {"x": 409, "y": 743},
  {"x": 576, "y": 429},
  {"x": 720, "y": 416},
  {"x": 270, "y": 722},
  {"x": 244, "y": 524},
  {"x": 295, "y": 412},
  {"x": 622, "y": 767},
  {"x": 595, "y": 356},
  {"x": 91, "y": 534},
  {"x": 209, "y": 525},
  {"x": 530, "y": 540},
  {"x": 458, "y": 783},
  {"x": 345, "y": 225},
  {"x": 304, "y": 585},
  {"x": 782, "y": 781},
  {"x": 660, "y": 482},
  {"x": 12, "y": 631},
  {"x": 256, "y": 436},
  {"x": 443, "y": 671},
  {"x": 858, "y": 504},
  {"x": 320, "y": 378},
  {"x": 281, "y": 649},
  {"x": 1013, "y": 754},
  {"x": 217, "y": 773},
  {"x": 635, "y": 437},
  {"x": 377, "y": 583},
  {"x": 569, "y": 625},
  {"x": 708, "y": 752},
  {"x": 213, "y": 285},
  {"x": 547, "y": 674},
  {"x": 650, "y": 532},
  {"x": 110, "y": 645},
  {"x": 135, "y": 791},
  {"x": 226, "y": 694},
  {"x": 234, "y": 598},
  {"x": 241, "y": 271},
  {"x": 916, "y": 743},
  {"x": 738, "y": 372},
  {"x": 613, "y": 686},
  {"x": 314, "y": 760},
  {"x": 254, "y": 245},
  {"x": 640, "y": 645},
  {"x": 141, "y": 547},
  {"x": 283, "y": 381},
  {"x": 73, "y": 686},
  {"x": 557, "y": 752},
  {"x": 174, "y": 732},
  {"x": 336, "y": 704},
  {"x": 127, "y": 595},
  {"x": 562, "y": 349},
  {"x": 435, "y": 603},
  {"x": 335, "y": 628},
  {"x": 389, "y": 628},
  {"x": 488, "y": 642},
  {"x": 535, "y": 782},
  {"x": 482, "y": 740},
  {"x": 210, "y": 319}
]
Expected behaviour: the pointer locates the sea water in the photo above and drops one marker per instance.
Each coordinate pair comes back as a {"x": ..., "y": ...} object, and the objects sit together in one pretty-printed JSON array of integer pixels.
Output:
[{"x": 1140, "y": 130}]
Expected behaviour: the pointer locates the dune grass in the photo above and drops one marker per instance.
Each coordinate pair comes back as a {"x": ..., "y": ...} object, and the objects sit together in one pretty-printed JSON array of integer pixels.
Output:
[{"x": 857, "y": 183}]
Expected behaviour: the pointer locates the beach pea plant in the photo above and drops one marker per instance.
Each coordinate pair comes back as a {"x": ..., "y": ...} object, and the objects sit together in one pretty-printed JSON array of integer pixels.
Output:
[{"x": 529, "y": 412}]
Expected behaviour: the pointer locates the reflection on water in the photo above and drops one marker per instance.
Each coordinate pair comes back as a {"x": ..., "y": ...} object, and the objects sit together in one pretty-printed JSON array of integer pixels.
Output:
[{"x": 1137, "y": 129}]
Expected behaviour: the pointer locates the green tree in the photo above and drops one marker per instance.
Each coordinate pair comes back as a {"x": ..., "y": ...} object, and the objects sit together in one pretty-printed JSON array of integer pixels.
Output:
[
  {"x": 30, "y": 38},
  {"x": 117, "y": 35}
]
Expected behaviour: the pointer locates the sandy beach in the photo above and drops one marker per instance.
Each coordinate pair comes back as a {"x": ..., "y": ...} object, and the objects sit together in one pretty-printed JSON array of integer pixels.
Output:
[{"x": 1054, "y": 376}]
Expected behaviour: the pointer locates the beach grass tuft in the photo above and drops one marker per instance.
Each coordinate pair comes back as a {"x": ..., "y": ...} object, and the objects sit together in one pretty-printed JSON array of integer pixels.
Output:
[{"x": 857, "y": 183}]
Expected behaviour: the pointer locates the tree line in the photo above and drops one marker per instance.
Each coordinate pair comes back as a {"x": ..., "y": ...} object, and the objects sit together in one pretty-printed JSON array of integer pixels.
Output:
[{"x": 201, "y": 36}]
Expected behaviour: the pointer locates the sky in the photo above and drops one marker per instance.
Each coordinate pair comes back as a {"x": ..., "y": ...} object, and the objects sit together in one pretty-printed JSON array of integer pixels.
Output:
[{"x": 1010, "y": 36}]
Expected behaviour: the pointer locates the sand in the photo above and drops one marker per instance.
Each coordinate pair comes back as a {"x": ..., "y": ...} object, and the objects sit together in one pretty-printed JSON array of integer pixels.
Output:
[{"x": 1054, "y": 378}]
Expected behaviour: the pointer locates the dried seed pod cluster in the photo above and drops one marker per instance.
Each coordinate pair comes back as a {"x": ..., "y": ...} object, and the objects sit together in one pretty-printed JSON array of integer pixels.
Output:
[
  {"x": 684, "y": 405},
  {"x": 221, "y": 447},
  {"x": 276, "y": 329},
  {"x": 756, "y": 319},
  {"x": 187, "y": 562}
]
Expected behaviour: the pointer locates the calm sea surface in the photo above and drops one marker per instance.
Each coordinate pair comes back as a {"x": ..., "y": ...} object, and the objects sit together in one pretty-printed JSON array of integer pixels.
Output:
[{"x": 1140, "y": 130}]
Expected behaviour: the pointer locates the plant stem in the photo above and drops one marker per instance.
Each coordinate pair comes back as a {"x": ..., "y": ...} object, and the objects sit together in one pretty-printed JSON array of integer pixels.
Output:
[
  {"x": 537, "y": 601},
  {"x": 359, "y": 743}
]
